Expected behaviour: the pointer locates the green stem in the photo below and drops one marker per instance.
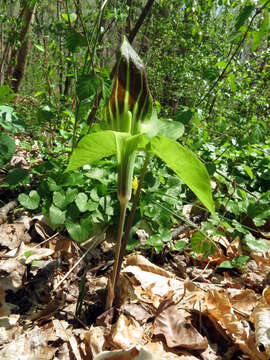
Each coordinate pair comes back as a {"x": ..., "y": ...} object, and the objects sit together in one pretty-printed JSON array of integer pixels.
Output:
[
  {"x": 113, "y": 281},
  {"x": 130, "y": 218}
]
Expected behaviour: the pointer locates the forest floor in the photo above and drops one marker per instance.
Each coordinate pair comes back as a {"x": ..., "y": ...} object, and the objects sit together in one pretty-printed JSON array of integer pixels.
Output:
[{"x": 53, "y": 293}]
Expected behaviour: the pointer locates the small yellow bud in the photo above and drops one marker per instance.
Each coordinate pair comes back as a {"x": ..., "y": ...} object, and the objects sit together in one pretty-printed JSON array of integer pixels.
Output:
[{"x": 135, "y": 184}]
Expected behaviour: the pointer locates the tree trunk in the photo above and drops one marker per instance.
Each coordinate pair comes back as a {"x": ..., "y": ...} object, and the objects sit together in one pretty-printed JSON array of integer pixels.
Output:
[{"x": 18, "y": 70}]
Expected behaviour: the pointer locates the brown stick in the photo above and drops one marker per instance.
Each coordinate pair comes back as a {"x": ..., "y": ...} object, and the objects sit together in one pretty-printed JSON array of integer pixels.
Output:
[
  {"x": 140, "y": 21},
  {"x": 5, "y": 210}
]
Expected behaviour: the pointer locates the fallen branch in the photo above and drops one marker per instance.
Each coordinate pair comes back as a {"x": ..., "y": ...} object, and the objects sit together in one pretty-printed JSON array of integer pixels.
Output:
[{"x": 6, "y": 209}]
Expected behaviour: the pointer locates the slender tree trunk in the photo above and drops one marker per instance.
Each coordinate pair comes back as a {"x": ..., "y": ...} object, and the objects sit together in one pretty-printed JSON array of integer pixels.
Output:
[{"x": 17, "y": 72}]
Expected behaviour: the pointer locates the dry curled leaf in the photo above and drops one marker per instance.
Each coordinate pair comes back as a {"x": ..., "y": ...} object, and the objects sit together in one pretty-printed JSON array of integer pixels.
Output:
[
  {"x": 144, "y": 264},
  {"x": 126, "y": 332},
  {"x": 132, "y": 354},
  {"x": 177, "y": 328}
]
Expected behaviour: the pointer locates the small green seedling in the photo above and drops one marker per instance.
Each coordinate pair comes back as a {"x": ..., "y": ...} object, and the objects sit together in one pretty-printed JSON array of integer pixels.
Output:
[{"x": 131, "y": 125}]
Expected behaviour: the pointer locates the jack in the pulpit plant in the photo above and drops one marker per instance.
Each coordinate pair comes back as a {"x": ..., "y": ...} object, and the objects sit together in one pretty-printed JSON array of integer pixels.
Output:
[{"x": 130, "y": 124}]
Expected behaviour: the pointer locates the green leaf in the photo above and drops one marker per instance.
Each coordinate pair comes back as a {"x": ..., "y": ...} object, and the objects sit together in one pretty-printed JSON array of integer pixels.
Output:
[
  {"x": 39, "y": 47},
  {"x": 165, "y": 234},
  {"x": 257, "y": 245},
  {"x": 74, "y": 178},
  {"x": 210, "y": 74},
  {"x": 59, "y": 199},
  {"x": 91, "y": 148},
  {"x": 17, "y": 176},
  {"x": 248, "y": 171},
  {"x": 7, "y": 148},
  {"x": 231, "y": 80},
  {"x": 180, "y": 245},
  {"x": 240, "y": 260},
  {"x": 45, "y": 113},
  {"x": 80, "y": 231},
  {"x": 186, "y": 165},
  {"x": 183, "y": 115},
  {"x": 226, "y": 264},
  {"x": 155, "y": 242},
  {"x": 258, "y": 221},
  {"x": 30, "y": 202},
  {"x": 200, "y": 245},
  {"x": 244, "y": 14},
  {"x": 263, "y": 31},
  {"x": 57, "y": 216},
  {"x": 235, "y": 36},
  {"x": 72, "y": 17},
  {"x": 9, "y": 120},
  {"x": 87, "y": 86},
  {"x": 71, "y": 195},
  {"x": 81, "y": 202},
  {"x": 169, "y": 128},
  {"x": 28, "y": 253},
  {"x": 6, "y": 94},
  {"x": 94, "y": 195},
  {"x": 74, "y": 40}
]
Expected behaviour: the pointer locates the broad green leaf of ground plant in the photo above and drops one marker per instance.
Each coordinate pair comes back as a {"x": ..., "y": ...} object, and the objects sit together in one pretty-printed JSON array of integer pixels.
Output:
[
  {"x": 30, "y": 202},
  {"x": 7, "y": 148},
  {"x": 82, "y": 231},
  {"x": 186, "y": 165},
  {"x": 6, "y": 95}
]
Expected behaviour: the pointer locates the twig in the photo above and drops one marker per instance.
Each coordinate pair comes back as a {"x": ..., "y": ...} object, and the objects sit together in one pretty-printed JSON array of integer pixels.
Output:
[
  {"x": 5, "y": 210},
  {"x": 95, "y": 243},
  {"x": 242, "y": 40},
  {"x": 238, "y": 185},
  {"x": 139, "y": 22}
]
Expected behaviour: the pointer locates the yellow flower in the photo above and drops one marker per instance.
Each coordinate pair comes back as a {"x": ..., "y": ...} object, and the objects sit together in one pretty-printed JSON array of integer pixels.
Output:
[{"x": 135, "y": 184}]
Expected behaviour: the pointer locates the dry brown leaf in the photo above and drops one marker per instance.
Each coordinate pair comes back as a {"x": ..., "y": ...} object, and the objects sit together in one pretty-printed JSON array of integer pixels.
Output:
[
  {"x": 11, "y": 235},
  {"x": 13, "y": 272},
  {"x": 261, "y": 319},
  {"x": 60, "y": 328},
  {"x": 158, "y": 347},
  {"x": 126, "y": 333},
  {"x": 244, "y": 302},
  {"x": 146, "y": 265},
  {"x": 137, "y": 311},
  {"x": 235, "y": 248},
  {"x": 194, "y": 297},
  {"x": 132, "y": 354},
  {"x": 75, "y": 348},
  {"x": 138, "y": 284},
  {"x": 209, "y": 354},
  {"x": 50, "y": 309},
  {"x": 220, "y": 308},
  {"x": 176, "y": 326},
  {"x": 31, "y": 345},
  {"x": 95, "y": 339},
  {"x": 266, "y": 295},
  {"x": 38, "y": 254}
]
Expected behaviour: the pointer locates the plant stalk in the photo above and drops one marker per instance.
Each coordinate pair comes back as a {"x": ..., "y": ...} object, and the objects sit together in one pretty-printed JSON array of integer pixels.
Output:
[
  {"x": 130, "y": 220},
  {"x": 112, "y": 281}
]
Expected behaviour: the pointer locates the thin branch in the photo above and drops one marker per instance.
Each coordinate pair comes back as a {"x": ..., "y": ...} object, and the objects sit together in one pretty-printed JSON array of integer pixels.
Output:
[
  {"x": 242, "y": 40},
  {"x": 140, "y": 21},
  {"x": 96, "y": 241}
]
